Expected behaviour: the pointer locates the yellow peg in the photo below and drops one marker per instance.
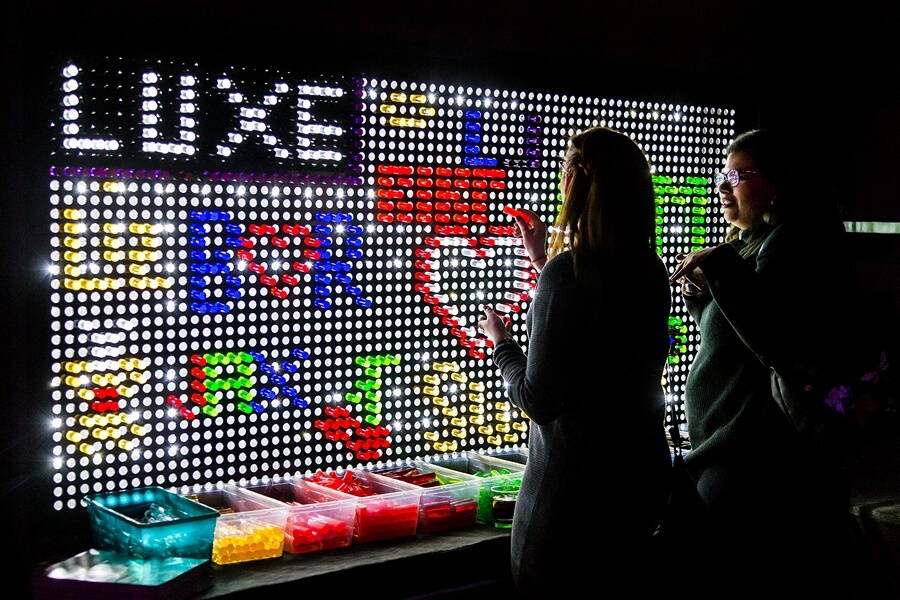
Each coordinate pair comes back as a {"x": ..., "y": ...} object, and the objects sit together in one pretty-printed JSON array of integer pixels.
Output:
[{"x": 87, "y": 448}]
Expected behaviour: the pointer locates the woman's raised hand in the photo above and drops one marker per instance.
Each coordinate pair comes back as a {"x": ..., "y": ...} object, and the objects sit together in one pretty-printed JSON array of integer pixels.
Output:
[{"x": 533, "y": 233}]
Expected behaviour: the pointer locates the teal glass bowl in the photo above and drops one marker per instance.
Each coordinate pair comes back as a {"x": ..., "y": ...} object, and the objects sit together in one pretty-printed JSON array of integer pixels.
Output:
[{"x": 177, "y": 526}]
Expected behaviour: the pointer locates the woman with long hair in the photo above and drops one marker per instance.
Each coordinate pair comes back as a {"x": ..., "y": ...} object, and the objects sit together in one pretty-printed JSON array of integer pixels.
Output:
[{"x": 597, "y": 473}]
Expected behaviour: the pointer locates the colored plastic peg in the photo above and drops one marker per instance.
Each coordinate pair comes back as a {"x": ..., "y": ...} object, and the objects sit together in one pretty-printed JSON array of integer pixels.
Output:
[{"x": 354, "y": 398}]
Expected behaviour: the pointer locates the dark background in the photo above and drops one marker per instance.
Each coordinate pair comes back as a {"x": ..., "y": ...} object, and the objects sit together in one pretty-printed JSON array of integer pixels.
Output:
[{"x": 829, "y": 76}]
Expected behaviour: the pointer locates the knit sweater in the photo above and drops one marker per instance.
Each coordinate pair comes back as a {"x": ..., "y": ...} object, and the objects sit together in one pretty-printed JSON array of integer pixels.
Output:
[
  {"x": 591, "y": 385},
  {"x": 767, "y": 309}
]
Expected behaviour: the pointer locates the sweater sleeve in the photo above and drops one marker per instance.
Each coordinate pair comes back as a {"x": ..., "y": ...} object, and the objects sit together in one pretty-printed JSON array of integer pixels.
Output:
[
  {"x": 765, "y": 305},
  {"x": 696, "y": 304},
  {"x": 538, "y": 383}
]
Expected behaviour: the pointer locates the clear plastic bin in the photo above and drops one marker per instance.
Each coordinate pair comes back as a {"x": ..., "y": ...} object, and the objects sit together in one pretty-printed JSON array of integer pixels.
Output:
[
  {"x": 119, "y": 521},
  {"x": 251, "y": 527},
  {"x": 472, "y": 463},
  {"x": 391, "y": 514},
  {"x": 315, "y": 521},
  {"x": 453, "y": 505},
  {"x": 515, "y": 455}
]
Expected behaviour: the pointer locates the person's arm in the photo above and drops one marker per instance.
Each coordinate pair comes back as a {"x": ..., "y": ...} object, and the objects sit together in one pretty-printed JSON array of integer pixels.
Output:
[
  {"x": 765, "y": 306},
  {"x": 538, "y": 383},
  {"x": 696, "y": 303}
]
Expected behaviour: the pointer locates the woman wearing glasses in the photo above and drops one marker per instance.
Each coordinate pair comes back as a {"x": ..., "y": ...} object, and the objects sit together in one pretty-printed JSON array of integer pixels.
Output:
[
  {"x": 596, "y": 478},
  {"x": 762, "y": 297}
]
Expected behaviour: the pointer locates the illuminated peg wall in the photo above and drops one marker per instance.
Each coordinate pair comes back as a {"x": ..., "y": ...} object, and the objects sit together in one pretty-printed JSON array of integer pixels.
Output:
[{"x": 257, "y": 273}]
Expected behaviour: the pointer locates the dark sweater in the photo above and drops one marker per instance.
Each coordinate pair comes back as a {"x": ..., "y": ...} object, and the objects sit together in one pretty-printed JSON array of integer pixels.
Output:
[
  {"x": 597, "y": 457},
  {"x": 769, "y": 308}
]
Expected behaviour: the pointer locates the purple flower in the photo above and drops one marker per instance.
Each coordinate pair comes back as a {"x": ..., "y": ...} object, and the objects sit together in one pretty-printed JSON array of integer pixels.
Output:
[
  {"x": 838, "y": 398},
  {"x": 870, "y": 377}
]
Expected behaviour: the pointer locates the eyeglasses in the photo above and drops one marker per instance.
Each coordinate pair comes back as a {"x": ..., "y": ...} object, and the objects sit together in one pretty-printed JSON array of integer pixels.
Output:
[{"x": 733, "y": 176}]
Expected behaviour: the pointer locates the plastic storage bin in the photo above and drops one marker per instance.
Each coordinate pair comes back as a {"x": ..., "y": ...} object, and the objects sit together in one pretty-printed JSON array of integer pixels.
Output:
[
  {"x": 251, "y": 527},
  {"x": 472, "y": 463},
  {"x": 392, "y": 513},
  {"x": 453, "y": 505},
  {"x": 315, "y": 521},
  {"x": 183, "y": 528},
  {"x": 510, "y": 454}
]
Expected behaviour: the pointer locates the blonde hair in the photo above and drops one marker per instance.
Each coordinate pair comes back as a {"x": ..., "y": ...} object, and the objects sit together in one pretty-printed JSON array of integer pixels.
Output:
[{"x": 608, "y": 202}]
